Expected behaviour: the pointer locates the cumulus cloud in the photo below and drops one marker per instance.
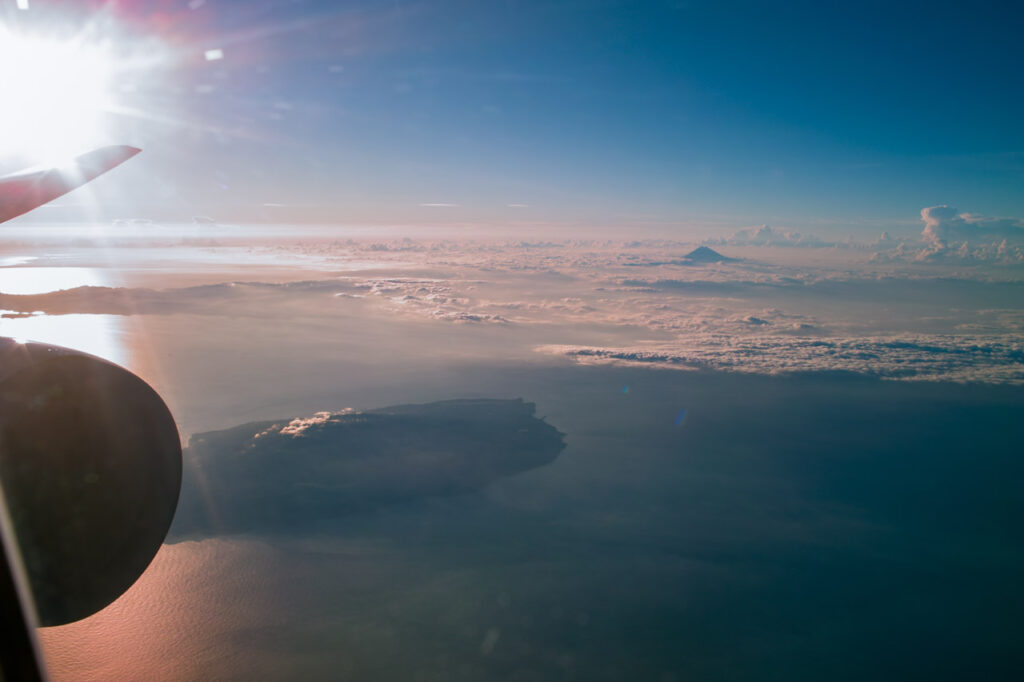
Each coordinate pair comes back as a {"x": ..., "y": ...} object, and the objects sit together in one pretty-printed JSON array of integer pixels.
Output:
[
  {"x": 289, "y": 474},
  {"x": 944, "y": 224},
  {"x": 952, "y": 237},
  {"x": 765, "y": 235},
  {"x": 468, "y": 317}
]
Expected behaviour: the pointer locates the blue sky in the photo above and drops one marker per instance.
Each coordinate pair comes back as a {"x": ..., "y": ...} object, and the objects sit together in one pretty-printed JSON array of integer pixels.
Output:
[{"x": 608, "y": 112}]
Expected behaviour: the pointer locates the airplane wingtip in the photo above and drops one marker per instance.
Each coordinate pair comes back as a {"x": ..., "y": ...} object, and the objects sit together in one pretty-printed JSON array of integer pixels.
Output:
[
  {"x": 29, "y": 189},
  {"x": 123, "y": 151}
]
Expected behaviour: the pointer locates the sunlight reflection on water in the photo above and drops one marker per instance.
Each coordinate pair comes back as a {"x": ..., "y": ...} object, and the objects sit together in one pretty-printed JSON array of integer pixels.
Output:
[
  {"x": 16, "y": 260},
  {"x": 29, "y": 280},
  {"x": 100, "y": 335}
]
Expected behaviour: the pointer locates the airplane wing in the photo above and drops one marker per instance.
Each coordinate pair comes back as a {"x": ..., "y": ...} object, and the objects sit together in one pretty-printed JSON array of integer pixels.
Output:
[{"x": 25, "y": 190}]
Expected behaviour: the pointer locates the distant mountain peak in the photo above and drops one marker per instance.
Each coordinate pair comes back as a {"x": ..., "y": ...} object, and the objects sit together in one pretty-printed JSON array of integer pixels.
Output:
[{"x": 703, "y": 254}]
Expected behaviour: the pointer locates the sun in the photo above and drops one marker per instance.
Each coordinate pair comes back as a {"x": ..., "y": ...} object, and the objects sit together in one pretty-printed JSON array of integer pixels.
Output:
[{"x": 55, "y": 93}]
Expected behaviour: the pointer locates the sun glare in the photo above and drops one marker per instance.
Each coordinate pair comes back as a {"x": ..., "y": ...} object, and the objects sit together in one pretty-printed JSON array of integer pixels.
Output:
[{"x": 54, "y": 95}]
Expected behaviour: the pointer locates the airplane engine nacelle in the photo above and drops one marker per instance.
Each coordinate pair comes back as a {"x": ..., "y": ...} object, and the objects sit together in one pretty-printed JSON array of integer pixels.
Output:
[{"x": 90, "y": 466}]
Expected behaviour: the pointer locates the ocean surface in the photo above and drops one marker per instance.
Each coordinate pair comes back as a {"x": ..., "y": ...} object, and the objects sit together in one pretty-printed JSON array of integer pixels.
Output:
[{"x": 698, "y": 525}]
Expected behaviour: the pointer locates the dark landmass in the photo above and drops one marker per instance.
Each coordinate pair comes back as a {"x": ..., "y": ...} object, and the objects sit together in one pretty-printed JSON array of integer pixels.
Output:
[
  {"x": 699, "y": 256},
  {"x": 287, "y": 474},
  {"x": 703, "y": 254},
  {"x": 208, "y": 299}
]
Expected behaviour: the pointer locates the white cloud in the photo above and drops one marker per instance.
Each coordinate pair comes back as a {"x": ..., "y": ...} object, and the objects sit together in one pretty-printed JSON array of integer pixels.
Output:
[
  {"x": 461, "y": 316},
  {"x": 765, "y": 235},
  {"x": 943, "y": 224}
]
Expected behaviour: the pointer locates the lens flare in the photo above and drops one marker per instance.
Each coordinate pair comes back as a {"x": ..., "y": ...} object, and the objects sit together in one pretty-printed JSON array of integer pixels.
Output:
[{"x": 55, "y": 93}]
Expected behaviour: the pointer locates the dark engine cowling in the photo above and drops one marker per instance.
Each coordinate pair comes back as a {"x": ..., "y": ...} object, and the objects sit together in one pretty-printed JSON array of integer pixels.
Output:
[{"x": 90, "y": 464}]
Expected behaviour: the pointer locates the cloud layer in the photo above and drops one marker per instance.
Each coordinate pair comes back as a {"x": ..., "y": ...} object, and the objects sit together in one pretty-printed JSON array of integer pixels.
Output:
[
  {"x": 933, "y": 358},
  {"x": 763, "y": 309}
]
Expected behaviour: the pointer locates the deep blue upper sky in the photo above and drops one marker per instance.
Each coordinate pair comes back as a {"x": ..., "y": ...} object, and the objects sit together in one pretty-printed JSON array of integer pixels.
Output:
[{"x": 605, "y": 111}]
